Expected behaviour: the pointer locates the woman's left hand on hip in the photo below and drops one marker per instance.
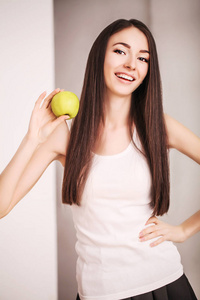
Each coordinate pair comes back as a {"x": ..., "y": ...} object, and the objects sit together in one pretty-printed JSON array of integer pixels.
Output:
[{"x": 162, "y": 230}]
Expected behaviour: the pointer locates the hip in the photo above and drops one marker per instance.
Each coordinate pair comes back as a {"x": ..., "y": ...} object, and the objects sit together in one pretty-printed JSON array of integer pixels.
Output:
[{"x": 178, "y": 289}]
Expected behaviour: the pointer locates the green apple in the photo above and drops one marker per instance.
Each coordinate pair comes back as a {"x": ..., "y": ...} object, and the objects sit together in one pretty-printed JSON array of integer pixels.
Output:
[{"x": 65, "y": 103}]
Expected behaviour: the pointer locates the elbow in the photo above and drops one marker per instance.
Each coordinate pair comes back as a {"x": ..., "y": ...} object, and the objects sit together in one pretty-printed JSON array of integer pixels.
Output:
[
  {"x": 4, "y": 212},
  {"x": 2, "y": 215}
]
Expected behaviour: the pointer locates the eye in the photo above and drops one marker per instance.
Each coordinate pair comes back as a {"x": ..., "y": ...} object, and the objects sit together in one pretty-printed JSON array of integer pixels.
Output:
[
  {"x": 143, "y": 59},
  {"x": 119, "y": 52}
]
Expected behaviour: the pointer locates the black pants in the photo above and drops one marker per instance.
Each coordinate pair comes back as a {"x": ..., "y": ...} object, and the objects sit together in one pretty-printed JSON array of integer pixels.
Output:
[{"x": 177, "y": 290}]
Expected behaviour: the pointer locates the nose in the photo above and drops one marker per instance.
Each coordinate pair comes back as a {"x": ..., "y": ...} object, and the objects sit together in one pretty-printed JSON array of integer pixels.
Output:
[{"x": 130, "y": 63}]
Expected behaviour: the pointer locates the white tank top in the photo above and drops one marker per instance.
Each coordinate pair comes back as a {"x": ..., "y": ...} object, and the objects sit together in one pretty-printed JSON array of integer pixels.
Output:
[{"x": 112, "y": 263}]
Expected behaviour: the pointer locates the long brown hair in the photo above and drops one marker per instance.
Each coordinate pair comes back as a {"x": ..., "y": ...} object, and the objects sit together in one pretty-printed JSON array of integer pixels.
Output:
[{"x": 146, "y": 113}]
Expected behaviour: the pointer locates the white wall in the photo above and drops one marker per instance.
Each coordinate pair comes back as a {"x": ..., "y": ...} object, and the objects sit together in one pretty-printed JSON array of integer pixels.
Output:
[
  {"x": 28, "y": 254},
  {"x": 174, "y": 24}
]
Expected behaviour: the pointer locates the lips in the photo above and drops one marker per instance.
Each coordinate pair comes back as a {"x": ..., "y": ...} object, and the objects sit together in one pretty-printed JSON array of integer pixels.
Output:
[{"x": 125, "y": 76}]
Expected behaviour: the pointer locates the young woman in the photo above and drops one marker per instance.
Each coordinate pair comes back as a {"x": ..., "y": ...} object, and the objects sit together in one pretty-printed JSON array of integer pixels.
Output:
[{"x": 116, "y": 175}]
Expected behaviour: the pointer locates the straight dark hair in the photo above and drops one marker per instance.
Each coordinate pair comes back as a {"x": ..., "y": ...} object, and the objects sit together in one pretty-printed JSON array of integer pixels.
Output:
[{"x": 146, "y": 114}]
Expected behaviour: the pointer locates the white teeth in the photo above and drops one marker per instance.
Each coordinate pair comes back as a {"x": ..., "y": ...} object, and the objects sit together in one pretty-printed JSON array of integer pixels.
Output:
[{"x": 124, "y": 76}]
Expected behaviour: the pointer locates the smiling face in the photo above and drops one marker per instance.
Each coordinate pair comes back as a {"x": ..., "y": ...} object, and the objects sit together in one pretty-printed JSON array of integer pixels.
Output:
[{"x": 126, "y": 62}]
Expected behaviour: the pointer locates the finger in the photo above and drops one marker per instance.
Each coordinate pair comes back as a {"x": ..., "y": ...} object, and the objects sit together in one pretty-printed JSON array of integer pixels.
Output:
[
  {"x": 49, "y": 98},
  {"x": 157, "y": 242},
  {"x": 151, "y": 235},
  {"x": 148, "y": 230},
  {"x": 59, "y": 120},
  {"x": 152, "y": 220},
  {"x": 40, "y": 99}
]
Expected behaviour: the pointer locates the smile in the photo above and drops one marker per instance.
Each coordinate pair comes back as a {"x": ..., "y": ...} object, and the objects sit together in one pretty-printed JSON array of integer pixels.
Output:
[{"x": 125, "y": 76}]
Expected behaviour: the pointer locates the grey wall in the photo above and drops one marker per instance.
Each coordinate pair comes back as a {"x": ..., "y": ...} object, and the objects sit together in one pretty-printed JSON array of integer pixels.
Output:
[{"x": 175, "y": 25}]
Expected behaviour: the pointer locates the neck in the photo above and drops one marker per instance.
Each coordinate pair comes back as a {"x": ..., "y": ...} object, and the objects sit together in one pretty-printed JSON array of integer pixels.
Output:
[{"x": 117, "y": 110}]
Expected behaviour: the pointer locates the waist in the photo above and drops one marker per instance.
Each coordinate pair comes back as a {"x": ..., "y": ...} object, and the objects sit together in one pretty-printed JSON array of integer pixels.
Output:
[
  {"x": 126, "y": 255},
  {"x": 125, "y": 271}
]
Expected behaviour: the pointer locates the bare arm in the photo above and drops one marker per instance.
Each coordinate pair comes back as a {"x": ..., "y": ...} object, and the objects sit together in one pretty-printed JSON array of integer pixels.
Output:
[
  {"x": 182, "y": 139},
  {"x": 191, "y": 225},
  {"x": 185, "y": 141},
  {"x": 37, "y": 150},
  {"x": 167, "y": 232}
]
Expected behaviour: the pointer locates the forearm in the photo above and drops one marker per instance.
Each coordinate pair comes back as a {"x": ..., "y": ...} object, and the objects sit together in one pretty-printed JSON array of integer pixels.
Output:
[
  {"x": 37, "y": 150},
  {"x": 191, "y": 225},
  {"x": 14, "y": 170}
]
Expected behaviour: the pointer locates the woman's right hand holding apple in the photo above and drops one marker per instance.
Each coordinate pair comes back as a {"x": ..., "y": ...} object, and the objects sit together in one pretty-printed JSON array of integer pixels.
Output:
[
  {"x": 43, "y": 122},
  {"x": 36, "y": 151}
]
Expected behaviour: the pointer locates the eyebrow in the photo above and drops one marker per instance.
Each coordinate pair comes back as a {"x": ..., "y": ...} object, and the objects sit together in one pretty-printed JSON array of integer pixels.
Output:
[{"x": 129, "y": 47}]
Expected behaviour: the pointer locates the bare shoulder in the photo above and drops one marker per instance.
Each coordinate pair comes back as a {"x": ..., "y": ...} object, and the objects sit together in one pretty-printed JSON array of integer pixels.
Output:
[
  {"x": 58, "y": 141},
  {"x": 182, "y": 138}
]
